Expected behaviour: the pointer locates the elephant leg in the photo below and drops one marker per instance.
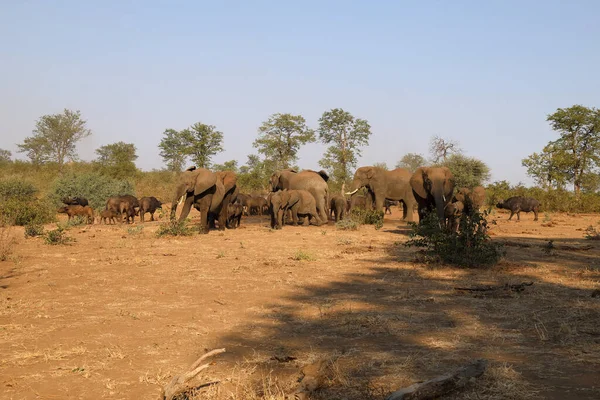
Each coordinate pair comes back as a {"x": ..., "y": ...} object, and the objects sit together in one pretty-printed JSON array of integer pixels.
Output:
[{"x": 295, "y": 216}]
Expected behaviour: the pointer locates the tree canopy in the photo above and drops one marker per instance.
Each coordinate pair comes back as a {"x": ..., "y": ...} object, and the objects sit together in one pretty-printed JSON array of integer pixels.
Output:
[
  {"x": 411, "y": 161},
  {"x": 117, "y": 160},
  {"x": 55, "y": 138},
  {"x": 5, "y": 155},
  {"x": 200, "y": 142},
  {"x": 575, "y": 156},
  {"x": 346, "y": 135},
  {"x": 468, "y": 171},
  {"x": 280, "y": 137}
]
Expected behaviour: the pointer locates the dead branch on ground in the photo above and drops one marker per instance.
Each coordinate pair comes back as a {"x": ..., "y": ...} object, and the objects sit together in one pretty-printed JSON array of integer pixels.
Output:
[
  {"x": 567, "y": 247},
  {"x": 441, "y": 385},
  {"x": 180, "y": 383},
  {"x": 515, "y": 288}
]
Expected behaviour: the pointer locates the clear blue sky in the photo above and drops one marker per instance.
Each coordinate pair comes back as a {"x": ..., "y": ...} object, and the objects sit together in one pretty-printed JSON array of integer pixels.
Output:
[{"x": 484, "y": 73}]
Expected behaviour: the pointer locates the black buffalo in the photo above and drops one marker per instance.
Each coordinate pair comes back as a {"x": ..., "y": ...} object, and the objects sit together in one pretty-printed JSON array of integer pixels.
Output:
[
  {"x": 150, "y": 205},
  {"x": 75, "y": 201},
  {"x": 518, "y": 203}
]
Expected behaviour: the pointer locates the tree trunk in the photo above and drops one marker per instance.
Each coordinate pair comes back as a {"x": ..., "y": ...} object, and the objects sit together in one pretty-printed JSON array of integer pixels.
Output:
[{"x": 343, "y": 188}]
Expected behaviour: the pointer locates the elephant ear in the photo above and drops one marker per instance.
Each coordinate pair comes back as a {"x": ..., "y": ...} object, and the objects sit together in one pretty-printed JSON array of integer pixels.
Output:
[
  {"x": 369, "y": 172},
  {"x": 417, "y": 181},
  {"x": 448, "y": 182},
  {"x": 205, "y": 179},
  {"x": 229, "y": 180}
]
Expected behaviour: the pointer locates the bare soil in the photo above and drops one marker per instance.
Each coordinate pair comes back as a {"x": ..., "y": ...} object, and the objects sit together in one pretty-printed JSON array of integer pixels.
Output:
[{"x": 118, "y": 312}]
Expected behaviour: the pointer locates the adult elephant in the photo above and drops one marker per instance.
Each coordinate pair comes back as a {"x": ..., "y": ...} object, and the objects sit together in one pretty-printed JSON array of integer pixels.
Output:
[
  {"x": 432, "y": 188},
  {"x": 208, "y": 192},
  {"x": 313, "y": 182},
  {"x": 384, "y": 185}
]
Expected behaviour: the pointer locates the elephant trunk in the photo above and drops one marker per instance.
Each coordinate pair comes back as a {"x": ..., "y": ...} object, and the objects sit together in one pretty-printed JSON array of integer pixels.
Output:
[
  {"x": 440, "y": 205},
  {"x": 177, "y": 198}
]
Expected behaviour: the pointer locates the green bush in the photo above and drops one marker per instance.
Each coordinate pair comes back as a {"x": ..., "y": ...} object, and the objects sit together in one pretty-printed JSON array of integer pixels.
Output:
[
  {"x": 19, "y": 206},
  {"x": 16, "y": 189},
  {"x": 174, "y": 228},
  {"x": 470, "y": 247},
  {"x": 361, "y": 217},
  {"x": 57, "y": 236},
  {"x": 33, "y": 229},
  {"x": 94, "y": 187},
  {"x": 77, "y": 220}
]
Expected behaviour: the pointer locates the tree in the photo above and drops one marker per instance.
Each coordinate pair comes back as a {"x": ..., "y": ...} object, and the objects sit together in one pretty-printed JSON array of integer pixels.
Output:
[
  {"x": 117, "y": 160},
  {"x": 202, "y": 142},
  {"x": 254, "y": 175},
  {"x": 280, "y": 137},
  {"x": 231, "y": 165},
  {"x": 468, "y": 171},
  {"x": 440, "y": 149},
  {"x": 172, "y": 150},
  {"x": 547, "y": 168},
  {"x": 575, "y": 155},
  {"x": 5, "y": 155},
  {"x": 55, "y": 138},
  {"x": 411, "y": 161},
  {"x": 345, "y": 135},
  {"x": 381, "y": 165}
]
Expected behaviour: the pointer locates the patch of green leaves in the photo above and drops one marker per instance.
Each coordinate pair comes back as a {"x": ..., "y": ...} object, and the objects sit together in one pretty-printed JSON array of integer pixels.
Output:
[{"x": 174, "y": 228}]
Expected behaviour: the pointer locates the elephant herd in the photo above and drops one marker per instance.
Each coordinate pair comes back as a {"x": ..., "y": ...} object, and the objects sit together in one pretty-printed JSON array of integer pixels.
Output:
[{"x": 295, "y": 196}]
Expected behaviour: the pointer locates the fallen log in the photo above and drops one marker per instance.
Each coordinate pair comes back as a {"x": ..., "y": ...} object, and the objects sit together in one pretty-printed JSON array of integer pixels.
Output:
[
  {"x": 515, "y": 288},
  {"x": 441, "y": 385},
  {"x": 180, "y": 383}
]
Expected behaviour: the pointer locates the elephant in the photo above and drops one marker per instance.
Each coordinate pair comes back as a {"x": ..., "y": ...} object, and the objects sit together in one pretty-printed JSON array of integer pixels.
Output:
[
  {"x": 337, "y": 206},
  {"x": 472, "y": 199},
  {"x": 257, "y": 205},
  {"x": 313, "y": 182},
  {"x": 126, "y": 205},
  {"x": 299, "y": 202},
  {"x": 243, "y": 200},
  {"x": 358, "y": 201},
  {"x": 78, "y": 211},
  {"x": 382, "y": 184},
  {"x": 432, "y": 188},
  {"x": 208, "y": 191},
  {"x": 149, "y": 204},
  {"x": 452, "y": 213},
  {"x": 234, "y": 215},
  {"x": 518, "y": 203}
]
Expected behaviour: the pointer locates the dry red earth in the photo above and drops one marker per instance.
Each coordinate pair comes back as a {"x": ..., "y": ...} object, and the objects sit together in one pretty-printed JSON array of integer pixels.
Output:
[{"x": 118, "y": 312}]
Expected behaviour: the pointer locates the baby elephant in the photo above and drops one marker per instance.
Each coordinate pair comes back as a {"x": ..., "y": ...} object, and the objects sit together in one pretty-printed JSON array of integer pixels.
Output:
[
  {"x": 518, "y": 203},
  {"x": 108, "y": 216},
  {"x": 78, "y": 211},
  {"x": 452, "y": 213},
  {"x": 337, "y": 206},
  {"x": 234, "y": 215},
  {"x": 299, "y": 202}
]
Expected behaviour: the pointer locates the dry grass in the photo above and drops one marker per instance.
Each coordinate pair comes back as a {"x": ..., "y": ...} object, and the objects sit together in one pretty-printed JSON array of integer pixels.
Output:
[{"x": 116, "y": 315}]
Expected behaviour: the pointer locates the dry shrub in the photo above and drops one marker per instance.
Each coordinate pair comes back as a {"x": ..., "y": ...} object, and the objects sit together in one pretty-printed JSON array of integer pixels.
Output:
[{"x": 7, "y": 240}]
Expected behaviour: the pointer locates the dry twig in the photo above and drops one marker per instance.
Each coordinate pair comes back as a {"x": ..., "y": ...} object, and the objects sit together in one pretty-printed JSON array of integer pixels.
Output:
[
  {"x": 179, "y": 383},
  {"x": 441, "y": 385}
]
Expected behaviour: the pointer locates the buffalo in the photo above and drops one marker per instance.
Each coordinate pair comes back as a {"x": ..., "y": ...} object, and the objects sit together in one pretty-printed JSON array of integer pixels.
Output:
[{"x": 518, "y": 203}]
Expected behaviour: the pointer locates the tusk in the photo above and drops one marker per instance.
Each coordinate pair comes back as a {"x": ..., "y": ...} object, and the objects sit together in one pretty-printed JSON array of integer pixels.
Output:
[
  {"x": 351, "y": 193},
  {"x": 444, "y": 197},
  {"x": 181, "y": 199}
]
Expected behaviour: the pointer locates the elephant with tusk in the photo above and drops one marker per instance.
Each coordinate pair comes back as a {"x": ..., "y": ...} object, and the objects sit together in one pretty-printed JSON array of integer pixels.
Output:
[
  {"x": 432, "y": 188},
  {"x": 384, "y": 185},
  {"x": 209, "y": 192}
]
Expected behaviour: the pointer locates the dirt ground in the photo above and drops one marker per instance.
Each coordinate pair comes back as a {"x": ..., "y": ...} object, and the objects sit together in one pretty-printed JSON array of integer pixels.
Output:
[{"x": 118, "y": 312}]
